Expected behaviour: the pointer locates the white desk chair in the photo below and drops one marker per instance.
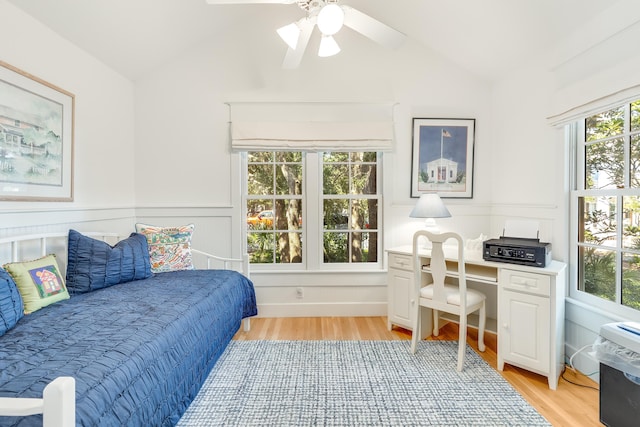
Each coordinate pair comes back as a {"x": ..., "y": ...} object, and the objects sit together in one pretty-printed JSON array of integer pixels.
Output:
[{"x": 445, "y": 297}]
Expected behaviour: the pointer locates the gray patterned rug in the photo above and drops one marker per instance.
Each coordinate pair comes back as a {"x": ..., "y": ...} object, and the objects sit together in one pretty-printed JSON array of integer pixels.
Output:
[{"x": 355, "y": 383}]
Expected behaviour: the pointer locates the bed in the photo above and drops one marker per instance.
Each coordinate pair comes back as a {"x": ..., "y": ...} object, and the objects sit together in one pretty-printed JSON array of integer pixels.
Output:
[{"x": 136, "y": 352}]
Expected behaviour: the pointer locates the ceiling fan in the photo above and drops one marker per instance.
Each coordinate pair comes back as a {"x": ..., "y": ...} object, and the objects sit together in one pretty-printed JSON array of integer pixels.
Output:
[{"x": 329, "y": 17}]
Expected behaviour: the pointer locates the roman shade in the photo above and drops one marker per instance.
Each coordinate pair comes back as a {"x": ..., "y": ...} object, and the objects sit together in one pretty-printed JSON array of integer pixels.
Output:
[
  {"x": 311, "y": 127},
  {"x": 595, "y": 106}
]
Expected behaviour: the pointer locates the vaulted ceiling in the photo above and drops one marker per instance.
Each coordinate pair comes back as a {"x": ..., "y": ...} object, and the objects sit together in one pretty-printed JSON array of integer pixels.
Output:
[{"x": 486, "y": 37}]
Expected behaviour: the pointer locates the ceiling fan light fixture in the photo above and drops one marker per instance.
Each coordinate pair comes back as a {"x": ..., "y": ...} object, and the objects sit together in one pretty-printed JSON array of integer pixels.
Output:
[
  {"x": 328, "y": 46},
  {"x": 330, "y": 19},
  {"x": 290, "y": 34}
]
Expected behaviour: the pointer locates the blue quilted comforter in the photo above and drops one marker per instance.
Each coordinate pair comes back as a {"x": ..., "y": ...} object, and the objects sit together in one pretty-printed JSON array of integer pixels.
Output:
[{"x": 139, "y": 351}]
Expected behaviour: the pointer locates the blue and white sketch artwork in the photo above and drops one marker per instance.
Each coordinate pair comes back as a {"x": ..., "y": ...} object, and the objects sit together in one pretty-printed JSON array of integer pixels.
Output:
[
  {"x": 31, "y": 140},
  {"x": 443, "y": 158}
]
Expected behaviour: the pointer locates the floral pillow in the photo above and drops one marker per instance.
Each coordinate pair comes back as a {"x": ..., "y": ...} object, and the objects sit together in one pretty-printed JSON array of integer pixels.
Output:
[
  {"x": 169, "y": 247},
  {"x": 39, "y": 282}
]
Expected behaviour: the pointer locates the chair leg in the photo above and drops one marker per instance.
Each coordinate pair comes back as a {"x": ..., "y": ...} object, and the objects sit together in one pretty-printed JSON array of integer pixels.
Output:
[
  {"x": 481, "y": 326},
  {"x": 462, "y": 341},
  {"x": 416, "y": 334},
  {"x": 436, "y": 322}
]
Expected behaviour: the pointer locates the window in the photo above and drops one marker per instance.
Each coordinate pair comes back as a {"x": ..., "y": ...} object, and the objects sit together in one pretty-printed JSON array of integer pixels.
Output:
[
  {"x": 350, "y": 207},
  {"x": 310, "y": 210},
  {"x": 606, "y": 210},
  {"x": 274, "y": 207}
]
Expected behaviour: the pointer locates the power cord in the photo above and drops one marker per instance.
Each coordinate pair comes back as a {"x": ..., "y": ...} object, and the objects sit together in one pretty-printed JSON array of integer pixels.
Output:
[
  {"x": 570, "y": 365},
  {"x": 576, "y": 353},
  {"x": 575, "y": 383}
]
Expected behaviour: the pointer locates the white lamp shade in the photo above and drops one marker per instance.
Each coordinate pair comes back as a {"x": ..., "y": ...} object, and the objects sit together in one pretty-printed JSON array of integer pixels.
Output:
[
  {"x": 330, "y": 19},
  {"x": 328, "y": 47},
  {"x": 290, "y": 34},
  {"x": 430, "y": 206}
]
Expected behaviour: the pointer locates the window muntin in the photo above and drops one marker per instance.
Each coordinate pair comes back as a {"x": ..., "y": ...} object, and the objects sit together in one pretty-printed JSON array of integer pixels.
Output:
[{"x": 607, "y": 201}]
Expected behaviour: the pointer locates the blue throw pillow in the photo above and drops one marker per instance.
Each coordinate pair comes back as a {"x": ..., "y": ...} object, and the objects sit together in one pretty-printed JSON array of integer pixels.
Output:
[
  {"x": 11, "y": 306},
  {"x": 93, "y": 264}
]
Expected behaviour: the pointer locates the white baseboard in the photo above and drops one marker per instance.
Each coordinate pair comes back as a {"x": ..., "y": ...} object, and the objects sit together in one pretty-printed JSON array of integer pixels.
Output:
[{"x": 347, "y": 309}]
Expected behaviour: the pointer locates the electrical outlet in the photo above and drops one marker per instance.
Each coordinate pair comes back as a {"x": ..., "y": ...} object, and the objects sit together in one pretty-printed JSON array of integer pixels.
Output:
[{"x": 299, "y": 293}]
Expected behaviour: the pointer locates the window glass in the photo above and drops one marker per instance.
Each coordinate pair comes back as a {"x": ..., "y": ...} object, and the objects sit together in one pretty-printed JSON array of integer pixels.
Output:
[
  {"x": 634, "y": 158},
  {"x": 605, "y": 164},
  {"x": 598, "y": 225},
  {"x": 604, "y": 125},
  {"x": 635, "y": 116},
  {"x": 631, "y": 222},
  {"x": 631, "y": 280},
  {"x": 597, "y": 272}
]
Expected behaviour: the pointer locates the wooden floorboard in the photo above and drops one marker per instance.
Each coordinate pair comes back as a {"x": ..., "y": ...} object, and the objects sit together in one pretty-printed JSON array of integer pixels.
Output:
[{"x": 569, "y": 405}]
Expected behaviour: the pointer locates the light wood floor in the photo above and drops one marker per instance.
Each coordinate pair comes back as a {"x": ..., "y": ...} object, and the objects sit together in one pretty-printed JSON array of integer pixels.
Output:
[{"x": 570, "y": 405}]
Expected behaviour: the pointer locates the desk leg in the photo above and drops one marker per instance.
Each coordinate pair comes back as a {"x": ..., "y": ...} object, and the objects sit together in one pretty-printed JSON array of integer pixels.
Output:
[
  {"x": 500, "y": 360},
  {"x": 426, "y": 322}
]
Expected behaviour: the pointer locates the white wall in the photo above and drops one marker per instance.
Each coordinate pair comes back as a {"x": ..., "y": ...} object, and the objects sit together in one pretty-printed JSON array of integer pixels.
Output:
[
  {"x": 104, "y": 131},
  {"x": 182, "y": 120},
  {"x": 531, "y": 174}
]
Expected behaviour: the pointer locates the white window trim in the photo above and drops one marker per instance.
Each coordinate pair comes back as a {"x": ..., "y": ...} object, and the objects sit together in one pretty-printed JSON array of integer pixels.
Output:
[{"x": 574, "y": 134}]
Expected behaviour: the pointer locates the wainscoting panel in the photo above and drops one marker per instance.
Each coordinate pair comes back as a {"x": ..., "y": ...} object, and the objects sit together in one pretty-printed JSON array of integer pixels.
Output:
[
  {"x": 217, "y": 229},
  {"x": 51, "y": 220},
  {"x": 214, "y": 227},
  {"x": 320, "y": 293}
]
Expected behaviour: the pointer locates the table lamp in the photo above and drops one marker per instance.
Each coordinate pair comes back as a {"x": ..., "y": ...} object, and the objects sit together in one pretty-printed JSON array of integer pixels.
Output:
[{"x": 430, "y": 206}]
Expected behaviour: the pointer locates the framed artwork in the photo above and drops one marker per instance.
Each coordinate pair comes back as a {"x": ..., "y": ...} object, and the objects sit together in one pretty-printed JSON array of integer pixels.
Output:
[
  {"x": 442, "y": 157},
  {"x": 36, "y": 138}
]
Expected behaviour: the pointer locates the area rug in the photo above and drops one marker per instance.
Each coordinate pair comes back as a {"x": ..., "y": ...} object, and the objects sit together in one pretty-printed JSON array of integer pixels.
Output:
[{"x": 355, "y": 383}]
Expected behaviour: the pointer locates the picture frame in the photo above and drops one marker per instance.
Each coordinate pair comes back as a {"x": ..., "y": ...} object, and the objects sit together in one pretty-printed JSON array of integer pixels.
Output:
[
  {"x": 36, "y": 138},
  {"x": 442, "y": 157}
]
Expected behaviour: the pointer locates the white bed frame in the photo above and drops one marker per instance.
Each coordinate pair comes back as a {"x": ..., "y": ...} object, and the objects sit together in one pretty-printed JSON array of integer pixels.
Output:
[
  {"x": 58, "y": 402},
  {"x": 57, "y": 406}
]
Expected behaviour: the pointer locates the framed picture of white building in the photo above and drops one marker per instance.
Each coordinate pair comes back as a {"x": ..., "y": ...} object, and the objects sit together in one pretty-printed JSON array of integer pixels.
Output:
[
  {"x": 442, "y": 157},
  {"x": 36, "y": 138}
]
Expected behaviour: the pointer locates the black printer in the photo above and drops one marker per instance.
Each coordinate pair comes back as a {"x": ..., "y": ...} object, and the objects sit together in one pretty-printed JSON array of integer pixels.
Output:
[{"x": 517, "y": 250}]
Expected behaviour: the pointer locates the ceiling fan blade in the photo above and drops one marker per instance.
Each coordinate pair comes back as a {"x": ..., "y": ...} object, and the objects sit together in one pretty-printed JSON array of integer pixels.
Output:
[
  {"x": 294, "y": 56},
  {"x": 251, "y": 1},
  {"x": 372, "y": 28}
]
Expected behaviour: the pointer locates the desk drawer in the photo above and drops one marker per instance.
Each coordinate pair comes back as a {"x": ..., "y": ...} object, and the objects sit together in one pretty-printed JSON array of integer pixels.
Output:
[
  {"x": 538, "y": 284},
  {"x": 403, "y": 262}
]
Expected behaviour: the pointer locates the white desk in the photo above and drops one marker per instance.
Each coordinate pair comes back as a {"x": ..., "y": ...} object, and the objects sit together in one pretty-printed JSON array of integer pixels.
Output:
[{"x": 525, "y": 305}]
